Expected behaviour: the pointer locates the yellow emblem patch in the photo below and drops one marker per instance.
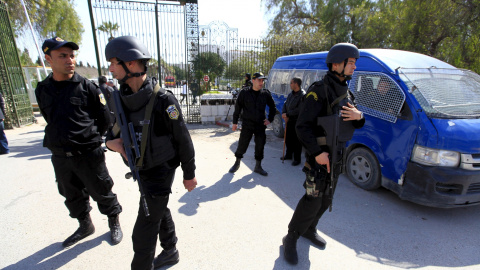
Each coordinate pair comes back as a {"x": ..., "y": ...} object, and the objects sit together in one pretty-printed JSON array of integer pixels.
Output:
[
  {"x": 173, "y": 112},
  {"x": 102, "y": 99},
  {"x": 312, "y": 94}
]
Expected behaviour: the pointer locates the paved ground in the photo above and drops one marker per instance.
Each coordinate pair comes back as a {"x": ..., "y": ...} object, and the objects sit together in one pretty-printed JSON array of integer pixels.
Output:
[{"x": 230, "y": 221}]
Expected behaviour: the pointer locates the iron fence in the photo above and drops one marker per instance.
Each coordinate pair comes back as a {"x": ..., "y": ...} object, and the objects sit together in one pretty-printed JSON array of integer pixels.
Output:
[
  {"x": 205, "y": 58},
  {"x": 12, "y": 82},
  {"x": 168, "y": 29}
]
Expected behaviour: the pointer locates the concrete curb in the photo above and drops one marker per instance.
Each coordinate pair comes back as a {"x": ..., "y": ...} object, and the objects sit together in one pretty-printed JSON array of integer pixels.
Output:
[{"x": 222, "y": 123}]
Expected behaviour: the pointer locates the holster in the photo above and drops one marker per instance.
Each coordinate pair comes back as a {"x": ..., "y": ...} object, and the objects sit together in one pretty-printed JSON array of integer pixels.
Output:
[{"x": 316, "y": 181}]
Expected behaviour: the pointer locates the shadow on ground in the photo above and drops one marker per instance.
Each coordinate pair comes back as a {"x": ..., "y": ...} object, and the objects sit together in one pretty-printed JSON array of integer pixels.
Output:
[
  {"x": 377, "y": 225},
  {"x": 55, "y": 256}
]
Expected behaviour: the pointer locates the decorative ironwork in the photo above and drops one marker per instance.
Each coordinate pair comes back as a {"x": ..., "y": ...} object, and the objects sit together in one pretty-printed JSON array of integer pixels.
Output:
[{"x": 168, "y": 29}]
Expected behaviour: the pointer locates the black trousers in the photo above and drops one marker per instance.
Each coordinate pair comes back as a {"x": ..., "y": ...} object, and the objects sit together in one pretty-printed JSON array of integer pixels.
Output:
[
  {"x": 309, "y": 210},
  {"x": 158, "y": 225},
  {"x": 79, "y": 177},
  {"x": 246, "y": 135},
  {"x": 294, "y": 147}
]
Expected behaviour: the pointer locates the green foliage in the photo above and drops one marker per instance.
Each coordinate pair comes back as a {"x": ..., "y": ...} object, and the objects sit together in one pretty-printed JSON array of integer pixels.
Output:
[
  {"x": 446, "y": 29},
  {"x": 152, "y": 66},
  {"x": 238, "y": 67},
  {"x": 180, "y": 73},
  {"x": 208, "y": 63},
  {"x": 109, "y": 28},
  {"x": 49, "y": 18},
  {"x": 25, "y": 59}
]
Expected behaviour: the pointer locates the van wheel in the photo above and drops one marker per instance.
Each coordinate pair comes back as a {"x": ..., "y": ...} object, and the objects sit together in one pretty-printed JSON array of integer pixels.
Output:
[
  {"x": 363, "y": 169},
  {"x": 277, "y": 126}
]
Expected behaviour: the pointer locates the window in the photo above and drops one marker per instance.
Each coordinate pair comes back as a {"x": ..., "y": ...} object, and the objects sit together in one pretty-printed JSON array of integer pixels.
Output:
[{"x": 377, "y": 95}]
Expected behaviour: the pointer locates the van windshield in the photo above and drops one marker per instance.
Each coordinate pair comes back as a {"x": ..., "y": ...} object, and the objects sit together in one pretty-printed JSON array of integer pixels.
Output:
[{"x": 444, "y": 93}]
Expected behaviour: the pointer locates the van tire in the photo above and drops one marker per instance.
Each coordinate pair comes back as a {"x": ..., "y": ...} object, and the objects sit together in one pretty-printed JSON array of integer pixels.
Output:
[
  {"x": 277, "y": 126},
  {"x": 363, "y": 169}
]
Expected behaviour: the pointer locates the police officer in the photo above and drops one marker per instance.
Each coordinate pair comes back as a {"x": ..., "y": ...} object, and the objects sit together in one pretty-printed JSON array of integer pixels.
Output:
[
  {"x": 323, "y": 98},
  {"x": 3, "y": 139},
  {"x": 111, "y": 84},
  {"x": 108, "y": 94},
  {"x": 77, "y": 116},
  {"x": 248, "y": 81},
  {"x": 169, "y": 144},
  {"x": 253, "y": 102},
  {"x": 290, "y": 111}
]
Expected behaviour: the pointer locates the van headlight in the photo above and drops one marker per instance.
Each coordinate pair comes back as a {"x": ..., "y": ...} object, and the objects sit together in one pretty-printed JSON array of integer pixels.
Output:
[{"x": 435, "y": 157}]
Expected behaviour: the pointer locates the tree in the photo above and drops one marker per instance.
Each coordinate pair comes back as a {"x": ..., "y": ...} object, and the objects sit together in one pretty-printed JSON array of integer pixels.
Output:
[
  {"x": 180, "y": 73},
  {"x": 238, "y": 67},
  {"x": 49, "y": 18},
  {"x": 108, "y": 28},
  {"x": 25, "y": 59},
  {"x": 446, "y": 29},
  {"x": 208, "y": 63},
  {"x": 334, "y": 19}
]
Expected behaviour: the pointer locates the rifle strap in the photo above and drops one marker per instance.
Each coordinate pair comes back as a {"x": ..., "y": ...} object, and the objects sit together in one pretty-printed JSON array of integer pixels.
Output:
[
  {"x": 146, "y": 124},
  {"x": 335, "y": 102},
  {"x": 115, "y": 129}
]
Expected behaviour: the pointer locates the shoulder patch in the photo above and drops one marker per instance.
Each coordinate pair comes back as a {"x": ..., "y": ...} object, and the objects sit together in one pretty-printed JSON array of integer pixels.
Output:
[
  {"x": 313, "y": 94},
  {"x": 102, "y": 99},
  {"x": 173, "y": 112}
]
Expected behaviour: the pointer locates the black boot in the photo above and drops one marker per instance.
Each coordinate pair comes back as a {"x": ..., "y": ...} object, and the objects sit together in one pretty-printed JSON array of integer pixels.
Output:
[
  {"x": 290, "y": 248},
  {"x": 116, "y": 233},
  {"x": 259, "y": 169},
  {"x": 166, "y": 257},
  {"x": 316, "y": 239},
  {"x": 235, "y": 166},
  {"x": 86, "y": 228}
]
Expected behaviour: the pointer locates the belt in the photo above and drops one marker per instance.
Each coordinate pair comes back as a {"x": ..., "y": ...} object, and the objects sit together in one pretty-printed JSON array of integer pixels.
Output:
[{"x": 73, "y": 153}]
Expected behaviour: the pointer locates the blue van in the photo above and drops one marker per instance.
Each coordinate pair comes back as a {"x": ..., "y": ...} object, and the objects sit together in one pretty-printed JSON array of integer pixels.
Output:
[{"x": 421, "y": 138}]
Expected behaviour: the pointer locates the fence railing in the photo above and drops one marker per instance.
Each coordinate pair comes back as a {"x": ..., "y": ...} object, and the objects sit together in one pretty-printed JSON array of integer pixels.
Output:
[{"x": 12, "y": 82}]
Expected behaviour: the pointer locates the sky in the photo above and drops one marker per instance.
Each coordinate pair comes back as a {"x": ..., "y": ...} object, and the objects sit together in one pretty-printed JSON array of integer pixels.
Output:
[{"x": 246, "y": 15}]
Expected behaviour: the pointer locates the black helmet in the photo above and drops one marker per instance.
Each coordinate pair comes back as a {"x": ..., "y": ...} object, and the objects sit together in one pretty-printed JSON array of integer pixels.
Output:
[
  {"x": 341, "y": 51},
  {"x": 126, "y": 48}
]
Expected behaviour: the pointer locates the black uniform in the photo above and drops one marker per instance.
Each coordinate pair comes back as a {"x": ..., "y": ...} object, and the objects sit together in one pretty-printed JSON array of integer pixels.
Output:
[
  {"x": 292, "y": 108},
  {"x": 108, "y": 94},
  {"x": 77, "y": 115},
  {"x": 169, "y": 144},
  {"x": 309, "y": 208},
  {"x": 3, "y": 139},
  {"x": 253, "y": 104},
  {"x": 247, "y": 84}
]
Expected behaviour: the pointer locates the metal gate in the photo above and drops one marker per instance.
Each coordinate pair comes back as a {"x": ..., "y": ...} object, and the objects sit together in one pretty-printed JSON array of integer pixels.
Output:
[
  {"x": 12, "y": 83},
  {"x": 238, "y": 55},
  {"x": 169, "y": 30}
]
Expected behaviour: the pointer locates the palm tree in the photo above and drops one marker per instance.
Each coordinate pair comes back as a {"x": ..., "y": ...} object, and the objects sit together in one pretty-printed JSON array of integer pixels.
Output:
[{"x": 108, "y": 27}]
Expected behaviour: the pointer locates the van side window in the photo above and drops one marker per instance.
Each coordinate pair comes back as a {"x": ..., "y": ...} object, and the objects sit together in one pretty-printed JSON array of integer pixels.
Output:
[
  {"x": 272, "y": 82},
  {"x": 308, "y": 78},
  {"x": 283, "y": 79},
  {"x": 377, "y": 95}
]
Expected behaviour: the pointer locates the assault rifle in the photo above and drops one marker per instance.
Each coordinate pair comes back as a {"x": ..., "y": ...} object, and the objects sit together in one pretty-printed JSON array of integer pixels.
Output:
[
  {"x": 127, "y": 133},
  {"x": 337, "y": 132}
]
